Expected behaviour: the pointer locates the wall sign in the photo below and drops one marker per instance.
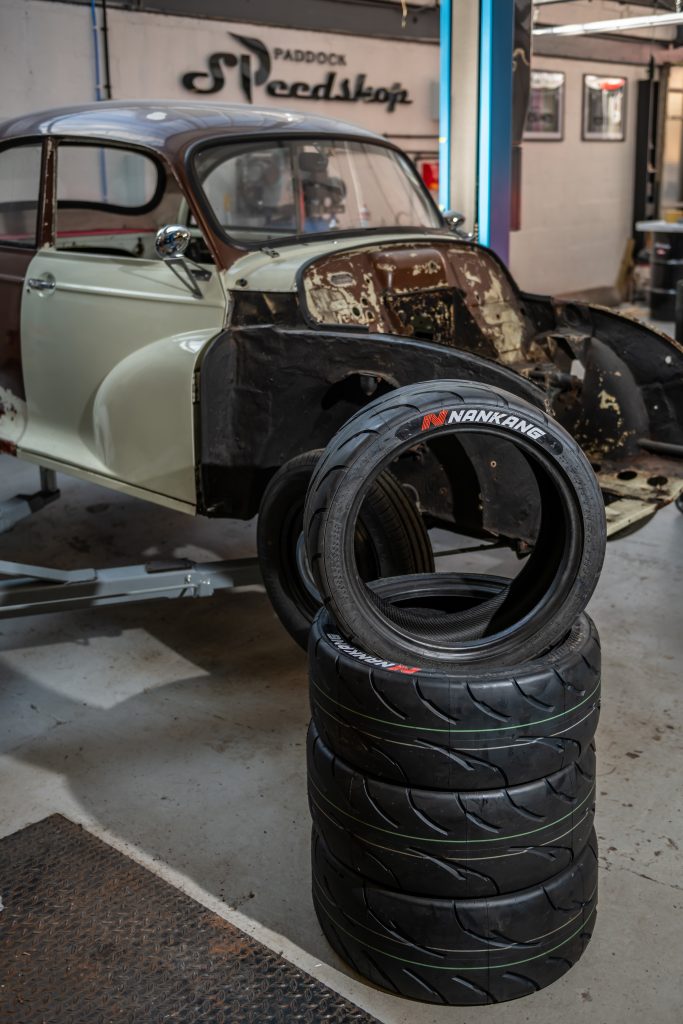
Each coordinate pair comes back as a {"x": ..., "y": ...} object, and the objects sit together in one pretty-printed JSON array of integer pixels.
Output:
[
  {"x": 252, "y": 63},
  {"x": 545, "y": 113},
  {"x": 604, "y": 108}
]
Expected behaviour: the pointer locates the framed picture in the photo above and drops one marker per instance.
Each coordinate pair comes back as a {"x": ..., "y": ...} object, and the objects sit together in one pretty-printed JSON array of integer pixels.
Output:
[
  {"x": 545, "y": 113},
  {"x": 604, "y": 108}
]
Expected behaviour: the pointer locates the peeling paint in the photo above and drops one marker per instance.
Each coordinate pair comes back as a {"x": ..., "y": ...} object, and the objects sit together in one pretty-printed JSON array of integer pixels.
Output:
[
  {"x": 414, "y": 291},
  {"x": 12, "y": 419},
  {"x": 608, "y": 401},
  {"x": 430, "y": 267}
]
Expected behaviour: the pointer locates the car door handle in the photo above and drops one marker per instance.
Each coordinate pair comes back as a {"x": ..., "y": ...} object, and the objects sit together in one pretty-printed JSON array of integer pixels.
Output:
[{"x": 42, "y": 284}]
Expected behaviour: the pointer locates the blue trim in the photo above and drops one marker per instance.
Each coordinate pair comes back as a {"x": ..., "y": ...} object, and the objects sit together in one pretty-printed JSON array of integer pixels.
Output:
[
  {"x": 96, "y": 50},
  {"x": 445, "y": 61},
  {"x": 98, "y": 93},
  {"x": 494, "y": 197},
  {"x": 485, "y": 128}
]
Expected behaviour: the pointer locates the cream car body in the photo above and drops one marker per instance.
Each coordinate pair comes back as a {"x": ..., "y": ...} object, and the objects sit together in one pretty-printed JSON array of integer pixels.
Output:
[{"x": 114, "y": 402}]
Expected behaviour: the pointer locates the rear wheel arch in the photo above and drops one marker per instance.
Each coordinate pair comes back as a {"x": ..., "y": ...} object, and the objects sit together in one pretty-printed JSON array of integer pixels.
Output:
[{"x": 248, "y": 424}]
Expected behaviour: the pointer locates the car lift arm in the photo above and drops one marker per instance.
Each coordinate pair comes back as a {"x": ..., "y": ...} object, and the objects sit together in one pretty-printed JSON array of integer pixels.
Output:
[{"x": 32, "y": 589}]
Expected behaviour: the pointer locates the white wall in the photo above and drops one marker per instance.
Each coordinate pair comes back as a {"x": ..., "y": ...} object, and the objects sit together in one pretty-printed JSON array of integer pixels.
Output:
[
  {"x": 46, "y": 59},
  {"x": 576, "y": 196},
  {"x": 45, "y": 56}
]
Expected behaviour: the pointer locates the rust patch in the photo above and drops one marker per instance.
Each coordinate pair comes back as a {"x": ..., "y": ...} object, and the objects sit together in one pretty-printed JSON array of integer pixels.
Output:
[
  {"x": 12, "y": 418},
  {"x": 13, "y": 266},
  {"x": 449, "y": 292},
  {"x": 648, "y": 478}
]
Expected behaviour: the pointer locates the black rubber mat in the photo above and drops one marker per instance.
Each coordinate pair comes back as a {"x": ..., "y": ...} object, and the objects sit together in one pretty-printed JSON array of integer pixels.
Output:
[{"x": 88, "y": 936}]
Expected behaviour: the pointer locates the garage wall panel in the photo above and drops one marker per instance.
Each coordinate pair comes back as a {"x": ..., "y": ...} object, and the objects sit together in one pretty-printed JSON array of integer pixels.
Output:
[
  {"x": 576, "y": 196},
  {"x": 48, "y": 60}
]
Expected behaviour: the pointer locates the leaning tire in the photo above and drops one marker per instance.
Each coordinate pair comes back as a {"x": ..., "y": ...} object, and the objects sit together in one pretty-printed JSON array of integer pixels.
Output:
[
  {"x": 450, "y": 844},
  {"x": 391, "y": 539},
  {"x": 457, "y": 952},
  {"x": 554, "y": 586},
  {"x": 474, "y": 728}
]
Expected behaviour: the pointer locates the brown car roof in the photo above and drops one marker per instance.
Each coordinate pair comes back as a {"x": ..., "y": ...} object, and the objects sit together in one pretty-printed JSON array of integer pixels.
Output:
[{"x": 169, "y": 126}]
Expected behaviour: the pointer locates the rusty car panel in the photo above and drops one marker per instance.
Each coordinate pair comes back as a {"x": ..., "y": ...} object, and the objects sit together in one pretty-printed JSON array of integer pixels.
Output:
[
  {"x": 446, "y": 292},
  {"x": 613, "y": 382}
]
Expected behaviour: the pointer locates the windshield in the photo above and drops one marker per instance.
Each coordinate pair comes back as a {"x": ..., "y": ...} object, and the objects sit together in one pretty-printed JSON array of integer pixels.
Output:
[{"x": 260, "y": 192}]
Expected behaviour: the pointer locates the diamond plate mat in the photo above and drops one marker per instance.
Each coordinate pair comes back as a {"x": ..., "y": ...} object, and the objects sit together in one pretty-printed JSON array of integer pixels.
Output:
[{"x": 87, "y": 936}]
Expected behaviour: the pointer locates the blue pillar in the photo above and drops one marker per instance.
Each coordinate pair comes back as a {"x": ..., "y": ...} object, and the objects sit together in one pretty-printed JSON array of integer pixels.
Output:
[
  {"x": 445, "y": 78},
  {"x": 496, "y": 41}
]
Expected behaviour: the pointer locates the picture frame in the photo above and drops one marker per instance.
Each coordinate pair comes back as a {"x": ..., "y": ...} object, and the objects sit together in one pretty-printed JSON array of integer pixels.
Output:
[
  {"x": 603, "y": 117},
  {"x": 545, "y": 112}
]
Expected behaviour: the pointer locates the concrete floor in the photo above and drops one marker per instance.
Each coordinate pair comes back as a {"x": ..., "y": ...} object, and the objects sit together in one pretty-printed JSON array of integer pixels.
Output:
[{"x": 176, "y": 730}]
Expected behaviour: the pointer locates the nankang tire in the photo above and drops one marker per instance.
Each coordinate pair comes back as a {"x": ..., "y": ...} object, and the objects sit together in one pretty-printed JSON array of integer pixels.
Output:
[
  {"x": 391, "y": 539},
  {"x": 450, "y": 844},
  {"x": 559, "y": 575},
  {"x": 457, "y": 952},
  {"x": 474, "y": 728}
]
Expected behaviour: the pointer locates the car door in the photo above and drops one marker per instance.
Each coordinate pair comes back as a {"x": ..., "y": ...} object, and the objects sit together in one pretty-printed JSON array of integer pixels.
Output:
[
  {"x": 20, "y": 181},
  {"x": 110, "y": 334}
]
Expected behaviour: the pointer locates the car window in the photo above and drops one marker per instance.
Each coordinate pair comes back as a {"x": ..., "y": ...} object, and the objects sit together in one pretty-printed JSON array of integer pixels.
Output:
[
  {"x": 112, "y": 200},
  {"x": 251, "y": 189},
  {"x": 270, "y": 190},
  {"x": 106, "y": 177},
  {"x": 20, "y": 168}
]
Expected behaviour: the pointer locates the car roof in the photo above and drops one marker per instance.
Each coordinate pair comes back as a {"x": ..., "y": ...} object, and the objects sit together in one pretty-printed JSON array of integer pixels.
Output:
[{"x": 169, "y": 126}]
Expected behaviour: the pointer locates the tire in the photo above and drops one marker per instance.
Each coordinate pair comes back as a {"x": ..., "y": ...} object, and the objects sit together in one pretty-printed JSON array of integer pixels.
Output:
[
  {"x": 450, "y": 844},
  {"x": 679, "y": 502},
  {"x": 457, "y": 952},
  {"x": 558, "y": 578},
  {"x": 476, "y": 728},
  {"x": 391, "y": 539}
]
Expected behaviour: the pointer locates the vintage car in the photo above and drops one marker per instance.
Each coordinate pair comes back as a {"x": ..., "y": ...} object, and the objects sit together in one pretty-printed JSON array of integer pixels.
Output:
[{"x": 193, "y": 295}]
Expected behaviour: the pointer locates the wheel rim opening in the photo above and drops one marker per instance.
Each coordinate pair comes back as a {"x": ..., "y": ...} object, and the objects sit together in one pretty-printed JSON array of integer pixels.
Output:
[{"x": 545, "y": 561}]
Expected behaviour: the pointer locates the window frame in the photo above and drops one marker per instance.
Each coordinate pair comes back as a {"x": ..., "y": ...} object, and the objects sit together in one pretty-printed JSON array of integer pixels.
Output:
[
  {"x": 305, "y": 239},
  {"x": 15, "y": 143},
  {"x": 88, "y": 143}
]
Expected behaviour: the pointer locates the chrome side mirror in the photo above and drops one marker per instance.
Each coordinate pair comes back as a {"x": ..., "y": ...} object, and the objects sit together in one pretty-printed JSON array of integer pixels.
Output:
[
  {"x": 171, "y": 241},
  {"x": 455, "y": 220}
]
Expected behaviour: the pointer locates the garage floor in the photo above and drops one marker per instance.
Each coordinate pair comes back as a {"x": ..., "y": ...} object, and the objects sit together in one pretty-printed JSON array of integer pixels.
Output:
[{"x": 176, "y": 732}]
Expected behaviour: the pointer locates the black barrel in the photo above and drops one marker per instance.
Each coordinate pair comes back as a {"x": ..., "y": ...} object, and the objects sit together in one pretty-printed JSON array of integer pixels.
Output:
[
  {"x": 679, "y": 312},
  {"x": 666, "y": 271}
]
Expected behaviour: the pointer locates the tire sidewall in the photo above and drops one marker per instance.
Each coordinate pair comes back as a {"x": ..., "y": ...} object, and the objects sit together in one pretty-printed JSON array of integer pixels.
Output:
[{"x": 333, "y": 565}]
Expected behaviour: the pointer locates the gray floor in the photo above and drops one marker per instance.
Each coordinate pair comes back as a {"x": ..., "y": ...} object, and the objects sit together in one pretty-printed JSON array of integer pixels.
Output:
[{"x": 176, "y": 730}]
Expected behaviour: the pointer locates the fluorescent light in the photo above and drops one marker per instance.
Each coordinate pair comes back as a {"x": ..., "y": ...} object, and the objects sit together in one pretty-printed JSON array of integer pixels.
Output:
[{"x": 613, "y": 25}]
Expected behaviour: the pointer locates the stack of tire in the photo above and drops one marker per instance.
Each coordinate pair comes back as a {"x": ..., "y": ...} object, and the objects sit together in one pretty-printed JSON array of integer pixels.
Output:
[{"x": 450, "y": 754}]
